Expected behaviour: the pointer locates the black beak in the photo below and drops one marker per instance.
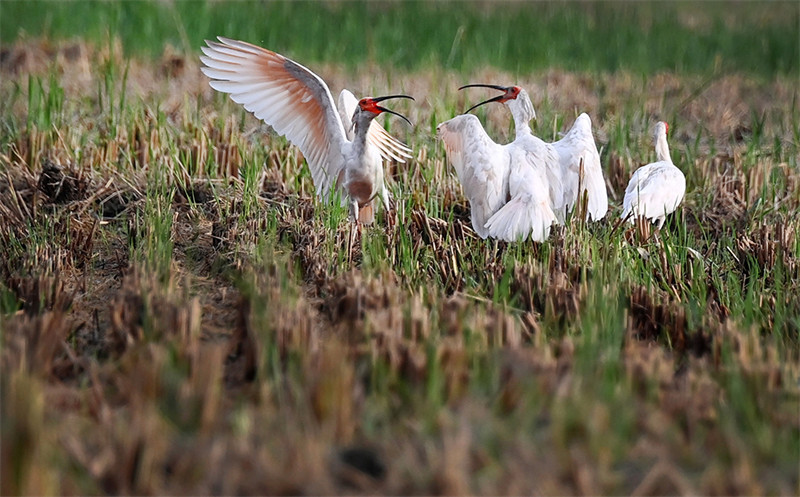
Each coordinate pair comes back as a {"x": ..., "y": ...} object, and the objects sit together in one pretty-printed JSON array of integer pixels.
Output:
[
  {"x": 504, "y": 89},
  {"x": 496, "y": 87},
  {"x": 384, "y": 109}
]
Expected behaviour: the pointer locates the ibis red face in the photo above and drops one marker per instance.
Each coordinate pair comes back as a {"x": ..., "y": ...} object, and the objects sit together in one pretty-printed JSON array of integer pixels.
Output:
[
  {"x": 509, "y": 93},
  {"x": 371, "y": 105}
]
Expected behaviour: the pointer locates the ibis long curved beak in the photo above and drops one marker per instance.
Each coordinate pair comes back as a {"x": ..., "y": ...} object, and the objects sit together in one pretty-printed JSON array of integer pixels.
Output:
[
  {"x": 384, "y": 109},
  {"x": 500, "y": 98},
  {"x": 478, "y": 85}
]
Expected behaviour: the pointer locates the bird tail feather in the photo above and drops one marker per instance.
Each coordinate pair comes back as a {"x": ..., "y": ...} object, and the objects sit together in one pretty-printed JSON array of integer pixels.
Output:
[{"x": 520, "y": 219}]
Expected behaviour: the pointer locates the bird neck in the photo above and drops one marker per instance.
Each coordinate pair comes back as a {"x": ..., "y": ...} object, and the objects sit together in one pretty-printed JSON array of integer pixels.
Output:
[
  {"x": 362, "y": 121},
  {"x": 662, "y": 149},
  {"x": 521, "y": 128},
  {"x": 522, "y": 111}
]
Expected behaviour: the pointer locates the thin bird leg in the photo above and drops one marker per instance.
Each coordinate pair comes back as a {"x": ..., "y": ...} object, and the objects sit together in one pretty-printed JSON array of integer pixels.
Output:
[
  {"x": 351, "y": 241},
  {"x": 354, "y": 210}
]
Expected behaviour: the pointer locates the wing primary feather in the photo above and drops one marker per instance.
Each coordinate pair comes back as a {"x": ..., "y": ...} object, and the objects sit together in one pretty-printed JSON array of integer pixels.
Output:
[{"x": 293, "y": 100}]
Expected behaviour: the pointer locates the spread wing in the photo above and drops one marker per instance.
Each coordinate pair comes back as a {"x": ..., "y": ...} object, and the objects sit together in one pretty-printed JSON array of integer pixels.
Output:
[
  {"x": 285, "y": 95},
  {"x": 579, "y": 144},
  {"x": 482, "y": 167},
  {"x": 388, "y": 146}
]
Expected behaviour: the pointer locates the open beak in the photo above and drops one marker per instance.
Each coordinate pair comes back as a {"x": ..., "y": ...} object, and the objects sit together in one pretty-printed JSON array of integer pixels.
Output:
[
  {"x": 499, "y": 98},
  {"x": 384, "y": 109}
]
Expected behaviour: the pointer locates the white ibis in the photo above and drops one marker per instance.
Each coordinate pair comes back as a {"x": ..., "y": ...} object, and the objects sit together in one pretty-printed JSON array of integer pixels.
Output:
[
  {"x": 577, "y": 149},
  {"x": 342, "y": 153},
  {"x": 544, "y": 156},
  {"x": 655, "y": 189},
  {"x": 506, "y": 185},
  {"x": 567, "y": 182}
]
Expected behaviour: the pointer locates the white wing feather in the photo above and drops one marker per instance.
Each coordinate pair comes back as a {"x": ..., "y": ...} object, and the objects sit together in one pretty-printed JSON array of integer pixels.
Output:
[
  {"x": 347, "y": 107},
  {"x": 481, "y": 165},
  {"x": 285, "y": 95},
  {"x": 654, "y": 191},
  {"x": 544, "y": 158},
  {"x": 529, "y": 212},
  {"x": 579, "y": 144}
]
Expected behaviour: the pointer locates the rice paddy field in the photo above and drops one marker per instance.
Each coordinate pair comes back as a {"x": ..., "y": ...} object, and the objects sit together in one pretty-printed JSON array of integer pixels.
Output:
[{"x": 180, "y": 315}]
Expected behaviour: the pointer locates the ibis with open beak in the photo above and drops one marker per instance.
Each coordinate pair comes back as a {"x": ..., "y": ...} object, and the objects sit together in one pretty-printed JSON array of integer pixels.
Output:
[
  {"x": 344, "y": 147},
  {"x": 578, "y": 170}
]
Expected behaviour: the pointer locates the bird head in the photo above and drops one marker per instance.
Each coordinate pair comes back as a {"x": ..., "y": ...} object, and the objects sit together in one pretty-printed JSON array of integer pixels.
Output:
[
  {"x": 509, "y": 93},
  {"x": 661, "y": 127},
  {"x": 369, "y": 107},
  {"x": 514, "y": 97},
  {"x": 660, "y": 141}
]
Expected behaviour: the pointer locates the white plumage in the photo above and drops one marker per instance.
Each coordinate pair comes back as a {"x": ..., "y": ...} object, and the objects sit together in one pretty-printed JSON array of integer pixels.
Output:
[
  {"x": 342, "y": 150},
  {"x": 565, "y": 182},
  {"x": 528, "y": 212},
  {"x": 656, "y": 189},
  {"x": 575, "y": 147},
  {"x": 506, "y": 185},
  {"x": 481, "y": 165}
]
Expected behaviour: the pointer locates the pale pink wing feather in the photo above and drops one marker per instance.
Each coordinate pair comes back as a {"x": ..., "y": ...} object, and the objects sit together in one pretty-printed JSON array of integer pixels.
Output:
[
  {"x": 293, "y": 100},
  {"x": 481, "y": 164}
]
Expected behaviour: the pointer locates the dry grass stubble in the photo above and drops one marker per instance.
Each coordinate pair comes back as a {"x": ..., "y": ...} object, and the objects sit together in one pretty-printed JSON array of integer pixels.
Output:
[{"x": 253, "y": 370}]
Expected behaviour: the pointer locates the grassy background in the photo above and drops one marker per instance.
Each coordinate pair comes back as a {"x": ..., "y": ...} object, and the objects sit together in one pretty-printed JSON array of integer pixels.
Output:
[
  {"x": 697, "y": 37},
  {"x": 179, "y": 315}
]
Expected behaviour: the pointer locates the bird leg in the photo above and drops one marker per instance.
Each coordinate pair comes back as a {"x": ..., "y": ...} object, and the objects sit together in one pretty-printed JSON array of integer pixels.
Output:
[
  {"x": 354, "y": 210},
  {"x": 355, "y": 229},
  {"x": 355, "y": 236},
  {"x": 350, "y": 244}
]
